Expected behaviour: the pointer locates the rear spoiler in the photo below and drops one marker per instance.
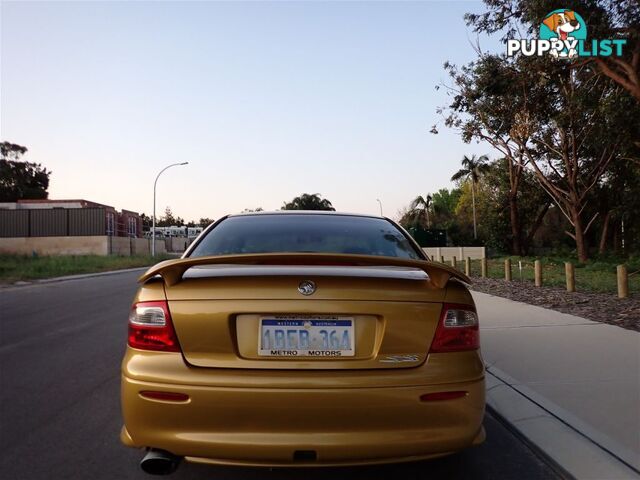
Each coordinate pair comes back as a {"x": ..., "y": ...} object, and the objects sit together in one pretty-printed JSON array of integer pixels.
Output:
[{"x": 172, "y": 270}]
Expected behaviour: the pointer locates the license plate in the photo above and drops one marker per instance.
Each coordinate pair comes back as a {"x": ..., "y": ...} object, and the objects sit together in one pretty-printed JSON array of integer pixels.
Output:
[{"x": 306, "y": 337}]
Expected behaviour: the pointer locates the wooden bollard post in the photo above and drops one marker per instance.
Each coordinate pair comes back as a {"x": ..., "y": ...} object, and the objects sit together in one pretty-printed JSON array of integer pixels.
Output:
[
  {"x": 467, "y": 266},
  {"x": 538, "y": 273},
  {"x": 507, "y": 269},
  {"x": 570, "y": 273},
  {"x": 483, "y": 268},
  {"x": 441, "y": 258},
  {"x": 454, "y": 262},
  {"x": 623, "y": 282}
]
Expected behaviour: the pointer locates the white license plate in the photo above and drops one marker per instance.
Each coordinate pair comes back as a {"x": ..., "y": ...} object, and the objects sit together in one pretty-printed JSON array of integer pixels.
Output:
[{"x": 306, "y": 337}]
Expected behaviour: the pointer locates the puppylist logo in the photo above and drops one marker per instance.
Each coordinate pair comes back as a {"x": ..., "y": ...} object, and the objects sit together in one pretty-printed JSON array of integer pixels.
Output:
[{"x": 563, "y": 34}]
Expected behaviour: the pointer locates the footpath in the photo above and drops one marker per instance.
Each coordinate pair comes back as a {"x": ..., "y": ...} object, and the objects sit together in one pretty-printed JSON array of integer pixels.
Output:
[{"x": 569, "y": 385}]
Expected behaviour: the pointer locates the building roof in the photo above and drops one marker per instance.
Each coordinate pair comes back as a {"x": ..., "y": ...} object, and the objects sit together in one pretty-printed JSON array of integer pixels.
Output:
[{"x": 72, "y": 200}]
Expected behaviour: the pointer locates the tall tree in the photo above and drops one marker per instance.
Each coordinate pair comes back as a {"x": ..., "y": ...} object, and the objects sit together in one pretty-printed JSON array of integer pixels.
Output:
[
  {"x": 478, "y": 111},
  {"x": 420, "y": 207},
  {"x": 147, "y": 221},
  {"x": 615, "y": 202},
  {"x": 442, "y": 210},
  {"x": 169, "y": 220},
  {"x": 18, "y": 179},
  {"x": 444, "y": 203},
  {"x": 308, "y": 201},
  {"x": 499, "y": 80},
  {"x": 561, "y": 121},
  {"x": 569, "y": 140},
  {"x": 472, "y": 169}
]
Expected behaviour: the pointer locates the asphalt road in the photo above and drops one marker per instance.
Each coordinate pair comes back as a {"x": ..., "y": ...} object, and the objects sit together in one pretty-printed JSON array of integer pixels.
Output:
[{"x": 60, "y": 350}]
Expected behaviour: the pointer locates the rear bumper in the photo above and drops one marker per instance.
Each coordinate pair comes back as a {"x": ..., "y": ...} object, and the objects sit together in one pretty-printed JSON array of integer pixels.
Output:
[{"x": 266, "y": 426}]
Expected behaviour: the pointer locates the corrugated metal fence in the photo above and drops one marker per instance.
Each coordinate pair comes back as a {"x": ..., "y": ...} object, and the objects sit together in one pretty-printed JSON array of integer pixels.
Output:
[{"x": 56, "y": 222}]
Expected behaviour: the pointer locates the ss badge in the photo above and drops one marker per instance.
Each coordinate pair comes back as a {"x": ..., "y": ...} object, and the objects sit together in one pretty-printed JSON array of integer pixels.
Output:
[{"x": 400, "y": 358}]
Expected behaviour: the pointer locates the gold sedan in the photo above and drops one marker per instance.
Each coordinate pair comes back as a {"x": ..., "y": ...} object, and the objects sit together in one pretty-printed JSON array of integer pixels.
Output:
[{"x": 301, "y": 339}]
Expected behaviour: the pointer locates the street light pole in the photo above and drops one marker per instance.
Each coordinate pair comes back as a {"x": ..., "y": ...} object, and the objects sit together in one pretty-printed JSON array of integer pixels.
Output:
[
  {"x": 153, "y": 229},
  {"x": 378, "y": 200}
]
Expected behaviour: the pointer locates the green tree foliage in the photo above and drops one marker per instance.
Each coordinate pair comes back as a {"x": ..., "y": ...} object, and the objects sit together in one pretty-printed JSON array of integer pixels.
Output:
[
  {"x": 147, "y": 221},
  {"x": 419, "y": 213},
  {"x": 169, "y": 220},
  {"x": 472, "y": 169},
  {"x": 562, "y": 122},
  {"x": 567, "y": 122},
  {"x": 617, "y": 203},
  {"x": 478, "y": 110},
  {"x": 20, "y": 180},
  {"x": 308, "y": 201},
  {"x": 492, "y": 205},
  {"x": 605, "y": 19},
  {"x": 442, "y": 208},
  {"x": 205, "y": 222},
  {"x": 586, "y": 124}
]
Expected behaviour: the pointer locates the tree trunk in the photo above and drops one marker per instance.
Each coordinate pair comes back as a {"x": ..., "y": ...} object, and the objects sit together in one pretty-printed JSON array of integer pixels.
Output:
[
  {"x": 616, "y": 240},
  {"x": 473, "y": 202},
  {"x": 516, "y": 229},
  {"x": 534, "y": 228},
  {"x": 605, "y": 232},
  {"x": 581, "y": 241}
]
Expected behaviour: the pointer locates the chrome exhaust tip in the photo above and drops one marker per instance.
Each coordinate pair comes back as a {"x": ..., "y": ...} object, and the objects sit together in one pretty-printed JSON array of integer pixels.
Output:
[{"x": 159, "y": 462}]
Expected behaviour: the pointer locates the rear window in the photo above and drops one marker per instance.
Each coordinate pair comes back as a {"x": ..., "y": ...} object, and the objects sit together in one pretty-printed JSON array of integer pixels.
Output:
[{"x": 294, "y": 233}]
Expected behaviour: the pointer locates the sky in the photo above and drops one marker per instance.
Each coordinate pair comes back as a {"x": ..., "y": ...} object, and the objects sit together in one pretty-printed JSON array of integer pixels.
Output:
[{"x": 265, "y": 100}]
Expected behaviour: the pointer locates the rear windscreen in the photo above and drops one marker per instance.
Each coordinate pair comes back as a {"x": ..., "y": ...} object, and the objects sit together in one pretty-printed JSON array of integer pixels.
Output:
[{"x": 294, "y": 233}]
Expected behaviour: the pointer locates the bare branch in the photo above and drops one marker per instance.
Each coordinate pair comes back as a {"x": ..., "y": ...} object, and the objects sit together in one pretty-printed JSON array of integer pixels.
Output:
[
  {"x": 591, "y": 222},
  {"x": 618, "y": 78}
]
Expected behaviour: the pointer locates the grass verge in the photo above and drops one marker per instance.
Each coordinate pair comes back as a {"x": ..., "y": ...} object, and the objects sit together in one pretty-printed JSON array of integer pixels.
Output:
[
  {"x": 15, "y": 268},
  {"x": 593, "y": 276}
]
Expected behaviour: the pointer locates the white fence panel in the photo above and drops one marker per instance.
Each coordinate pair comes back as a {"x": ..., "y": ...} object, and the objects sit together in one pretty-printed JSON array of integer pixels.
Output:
[{"x": 475, "y": 253}]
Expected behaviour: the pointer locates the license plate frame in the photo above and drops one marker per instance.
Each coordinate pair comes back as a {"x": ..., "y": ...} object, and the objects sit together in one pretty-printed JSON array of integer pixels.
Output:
[{"x": 326, "y": 336}]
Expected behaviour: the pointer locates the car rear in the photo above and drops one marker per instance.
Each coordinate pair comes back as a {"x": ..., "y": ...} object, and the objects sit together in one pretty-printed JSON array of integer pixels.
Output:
[{"x": 333, "y": 348}]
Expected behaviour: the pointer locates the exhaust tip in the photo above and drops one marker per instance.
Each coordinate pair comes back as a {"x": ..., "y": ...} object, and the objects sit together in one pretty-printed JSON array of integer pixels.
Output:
[{"x": 159, "y": 462}]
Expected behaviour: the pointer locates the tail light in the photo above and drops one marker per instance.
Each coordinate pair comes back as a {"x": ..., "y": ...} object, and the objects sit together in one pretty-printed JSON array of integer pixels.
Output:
[
  {"x": 457, "y": 329},
  {"x": 150, "y": 327}
]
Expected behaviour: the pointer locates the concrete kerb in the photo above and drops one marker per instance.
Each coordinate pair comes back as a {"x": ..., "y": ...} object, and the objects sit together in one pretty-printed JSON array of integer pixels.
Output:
[
  {"x": 576, "y": 450},
  {"x": 89, "y": 275},
  {"x": 69, "y": 278}
]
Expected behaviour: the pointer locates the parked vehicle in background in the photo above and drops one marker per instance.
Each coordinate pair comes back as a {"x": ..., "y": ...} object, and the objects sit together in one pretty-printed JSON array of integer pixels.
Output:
[
  {"x": 159, "y": 234},
  {"x": 193, "y": 232},
  {"x": 175, "y": 231}
]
